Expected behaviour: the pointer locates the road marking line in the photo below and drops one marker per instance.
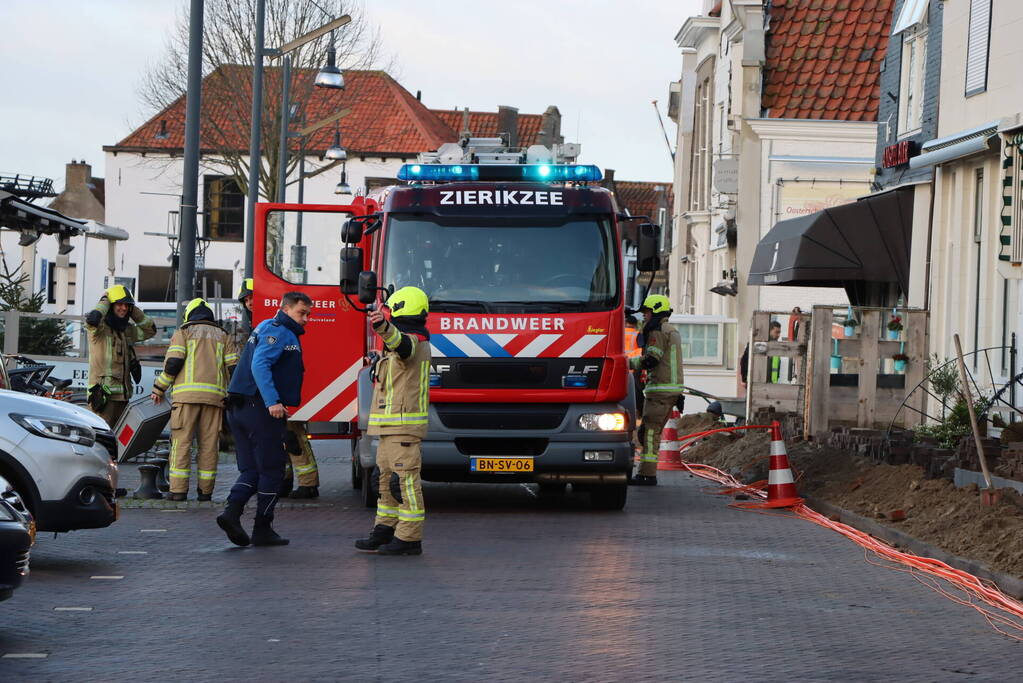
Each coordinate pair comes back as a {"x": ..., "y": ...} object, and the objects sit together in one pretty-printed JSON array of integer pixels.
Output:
[
  {"x": 132, "y": 552},
  {"x": 25, "y": 655},
  {"x": 72, "y": 609},
  {"x": 112, "y": 578},
  {"x": 273, "y": 640},
  {"x": 151, "y": 531},
  {"x": 175, "y": 510}
]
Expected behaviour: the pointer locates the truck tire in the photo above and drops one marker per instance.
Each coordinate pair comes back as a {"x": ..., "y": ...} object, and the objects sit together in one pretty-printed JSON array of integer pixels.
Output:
[
  {"x": 370, "y": 484},
  {"x": 357, "y": 479},
  {"x": 609, "y": 496}
]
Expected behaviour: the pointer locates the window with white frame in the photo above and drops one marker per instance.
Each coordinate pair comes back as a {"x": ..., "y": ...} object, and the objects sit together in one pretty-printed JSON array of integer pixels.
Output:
[
  {"x": 719, "y": 236},
  {"x": 979, "y": 39},
  {"x": 662, "y": 220},
  {"x": 701, "y": 342},
  {"x": 912, "y": 25}
]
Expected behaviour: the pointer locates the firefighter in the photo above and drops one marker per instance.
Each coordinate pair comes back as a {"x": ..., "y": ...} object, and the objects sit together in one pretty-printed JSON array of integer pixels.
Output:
[
  {"x": 398, "y": 415},
  {"x": 267, "y": 381},
  {"x": 301, "y": 464},
  {"x": 197, "y": 368},
  {"x": 114, "y": 326},
  {"x": 662, "y": 360},
  {"x": 245, "y": 299}
]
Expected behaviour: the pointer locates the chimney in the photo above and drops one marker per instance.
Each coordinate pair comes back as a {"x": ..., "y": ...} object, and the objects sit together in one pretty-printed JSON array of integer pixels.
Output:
[
  {"x": 550, "y": 127},
  {"x": 77, "y": 174},
  {"x": 508, "y": 122}
]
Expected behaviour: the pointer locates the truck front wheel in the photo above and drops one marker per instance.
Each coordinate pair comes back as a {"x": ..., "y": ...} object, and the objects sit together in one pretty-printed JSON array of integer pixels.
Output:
[
  {"x": 370, "y": 485},
  {"x": 609, "y": 496}
]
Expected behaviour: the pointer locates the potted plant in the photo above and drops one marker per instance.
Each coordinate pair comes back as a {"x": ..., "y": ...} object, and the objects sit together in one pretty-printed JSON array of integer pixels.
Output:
[
  {"x": 894, "y": 327},
  {"x": 850, "y": 326},
  {"x": 900, "y": 362}
]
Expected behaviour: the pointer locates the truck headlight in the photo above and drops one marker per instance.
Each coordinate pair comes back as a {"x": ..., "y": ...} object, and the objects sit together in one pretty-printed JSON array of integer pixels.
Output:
[
  {"x": 56, "y": 429},
  {"x": 602, "y": 422}
]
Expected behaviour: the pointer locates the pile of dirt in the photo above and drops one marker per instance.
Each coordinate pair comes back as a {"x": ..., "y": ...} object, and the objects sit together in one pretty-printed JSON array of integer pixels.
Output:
[{"x": 935, "y": 510}]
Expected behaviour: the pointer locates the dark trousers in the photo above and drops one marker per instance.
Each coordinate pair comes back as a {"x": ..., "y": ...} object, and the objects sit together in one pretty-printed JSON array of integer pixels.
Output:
[{"x": 259, "y": 448}]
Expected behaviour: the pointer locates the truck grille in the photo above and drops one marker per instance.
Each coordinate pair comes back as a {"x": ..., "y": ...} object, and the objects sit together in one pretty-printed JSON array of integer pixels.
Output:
[
  {"x": 509, "y": 375},
  {"x": 473, "y": 446},
  {"x": 501, "y": 416}
]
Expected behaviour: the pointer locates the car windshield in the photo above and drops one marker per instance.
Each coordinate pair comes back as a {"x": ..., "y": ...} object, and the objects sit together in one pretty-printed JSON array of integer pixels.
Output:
[{"x": 504, "y": 265}]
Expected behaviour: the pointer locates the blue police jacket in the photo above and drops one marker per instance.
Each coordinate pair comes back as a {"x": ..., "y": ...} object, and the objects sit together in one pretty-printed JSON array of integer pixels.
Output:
[{"x": 271, "y": 363}]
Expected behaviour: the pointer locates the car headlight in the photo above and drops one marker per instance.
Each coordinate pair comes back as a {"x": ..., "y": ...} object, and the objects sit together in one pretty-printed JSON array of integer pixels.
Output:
[
  {"x": 602, "y": 422},
  {"x": 56, "y": 429}
]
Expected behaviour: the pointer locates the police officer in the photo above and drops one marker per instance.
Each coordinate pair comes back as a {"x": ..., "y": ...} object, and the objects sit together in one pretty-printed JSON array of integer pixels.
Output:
[
  {"x": 114, "y": 326},
  {"x": 267, "y": 380},
  {"x": 662, "y": 360},
  {"x": 398, "y": 415},
  {"x": 196, "y": 369}
]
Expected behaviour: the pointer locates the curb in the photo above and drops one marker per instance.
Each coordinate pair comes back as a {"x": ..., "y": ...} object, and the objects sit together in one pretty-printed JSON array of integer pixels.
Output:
[
  {"x": 1010, "y": 585},
  {"x": 163, "y": 504}
]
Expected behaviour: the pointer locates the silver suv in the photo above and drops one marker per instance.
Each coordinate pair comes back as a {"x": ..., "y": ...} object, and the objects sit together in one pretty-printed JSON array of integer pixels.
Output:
[{"x": 61, "y": 459}]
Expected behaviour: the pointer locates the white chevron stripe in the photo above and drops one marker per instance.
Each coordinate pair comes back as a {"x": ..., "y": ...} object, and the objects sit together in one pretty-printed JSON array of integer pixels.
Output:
[
  {"x": 329, "y": 393},
  {"x": 348, "y": 414},
  {"x": 585, "y": 343},
  {"x": 467, "y": 345},
  {"x": 502, "y": 339},
  {"x": 537, "y": 346}
]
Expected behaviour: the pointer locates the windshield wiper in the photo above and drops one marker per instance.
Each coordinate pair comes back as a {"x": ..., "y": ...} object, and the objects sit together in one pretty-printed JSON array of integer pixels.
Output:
[{"x": 463, "y": 305}]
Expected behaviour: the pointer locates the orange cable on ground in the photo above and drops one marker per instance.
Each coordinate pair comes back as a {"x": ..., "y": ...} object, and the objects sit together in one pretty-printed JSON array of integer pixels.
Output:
[{"x": 933, "y": 570}]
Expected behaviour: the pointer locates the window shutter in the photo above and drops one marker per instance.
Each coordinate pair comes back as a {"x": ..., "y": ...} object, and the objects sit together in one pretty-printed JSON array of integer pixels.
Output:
[{"x": 977, "y": 46}]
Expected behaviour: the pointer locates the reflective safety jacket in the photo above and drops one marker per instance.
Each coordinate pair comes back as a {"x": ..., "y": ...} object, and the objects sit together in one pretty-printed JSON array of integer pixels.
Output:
[
  {"x": 111, "y": 347},
  {"x": 662, "y": 359},
  {"x": 196, "y": 366},
  {"x": 401, "y": 395}
]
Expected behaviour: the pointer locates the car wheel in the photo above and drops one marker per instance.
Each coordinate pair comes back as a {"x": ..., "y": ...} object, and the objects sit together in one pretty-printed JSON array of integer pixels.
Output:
[
  {"x": 370, "y": 485},
  {"x": 357, "y": 479},
  {"x": 609, "y": 496}
]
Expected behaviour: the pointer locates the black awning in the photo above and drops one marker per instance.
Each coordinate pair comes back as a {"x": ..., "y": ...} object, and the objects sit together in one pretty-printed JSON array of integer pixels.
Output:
[
  {"x": 19, "y": 214},
  {"x": 856, "y": 246}
]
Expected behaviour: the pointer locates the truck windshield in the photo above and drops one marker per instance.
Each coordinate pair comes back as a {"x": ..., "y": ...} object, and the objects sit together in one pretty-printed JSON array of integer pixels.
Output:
[{"x": 502, "y": 266}]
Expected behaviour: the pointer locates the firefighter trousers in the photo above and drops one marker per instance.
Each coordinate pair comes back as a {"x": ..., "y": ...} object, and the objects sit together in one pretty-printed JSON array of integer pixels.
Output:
[
  {"x": 301, "y": 465},
  {"x": 656, "y": 411},
  {"x": 201, "y": 421},
  {"x": 400, "y": 460},
  {"x": 111, "y": 412}
]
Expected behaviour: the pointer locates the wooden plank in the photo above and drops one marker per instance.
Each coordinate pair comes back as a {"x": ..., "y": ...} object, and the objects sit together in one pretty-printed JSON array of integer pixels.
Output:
[
  {"x": 781, "y": 397},
  {"x": 785, "y": 349},
  {"x": 870, "y": 328},
  {"x": 818, "y": 397},
  {"x": 917, "y": 348},
  {"x": 758, "y": 361},
  {"x": 849, "y": 348}
]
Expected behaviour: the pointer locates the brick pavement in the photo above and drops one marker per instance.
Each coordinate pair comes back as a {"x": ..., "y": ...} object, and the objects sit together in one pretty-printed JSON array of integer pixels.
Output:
[{"x": 677, "y": 587}]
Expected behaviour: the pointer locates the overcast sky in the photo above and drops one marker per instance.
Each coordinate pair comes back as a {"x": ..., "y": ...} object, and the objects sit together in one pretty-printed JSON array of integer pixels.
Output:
[{"x": 71, "y": 69}]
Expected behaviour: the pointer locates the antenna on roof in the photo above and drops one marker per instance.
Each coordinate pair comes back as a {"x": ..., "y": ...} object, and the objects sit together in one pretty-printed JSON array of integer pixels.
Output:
[
  {"x": 666, "y": 140},
  {"x": 466, "y": 133}
]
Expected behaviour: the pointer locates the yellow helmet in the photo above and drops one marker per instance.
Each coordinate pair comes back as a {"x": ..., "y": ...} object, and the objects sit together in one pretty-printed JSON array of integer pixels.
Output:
[
  {"x": 408, "y": 302},
  {"x": 246, "y": 290},
  {"x": 656, "y": 303},
  {"x": 119, "y": 294},
  {"x": 192, "y": 305}
]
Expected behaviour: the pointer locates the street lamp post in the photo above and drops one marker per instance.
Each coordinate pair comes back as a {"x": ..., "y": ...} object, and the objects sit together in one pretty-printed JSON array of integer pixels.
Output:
[
  {"x": 259, "y": 52},
  {"x": 190, "y": 173}
]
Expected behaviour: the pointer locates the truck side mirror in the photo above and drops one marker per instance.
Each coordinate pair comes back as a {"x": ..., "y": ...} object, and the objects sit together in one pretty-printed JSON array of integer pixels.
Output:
[
  {"x": 351, "y": 267},
  {"x": 648, "y": 258},
  {"x": 367, "y": 287},
  {"x": 351, "y": 231}
]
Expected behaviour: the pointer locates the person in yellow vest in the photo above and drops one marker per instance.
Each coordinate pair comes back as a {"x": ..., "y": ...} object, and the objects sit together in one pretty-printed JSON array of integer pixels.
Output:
[
  {"x": 662, "y": 360},
  {"x": 114, "y": 326},
  {"x": 301, "y": 464},
  {"x": 399, "y": 415},
  {"x": 196, "y": 371}
]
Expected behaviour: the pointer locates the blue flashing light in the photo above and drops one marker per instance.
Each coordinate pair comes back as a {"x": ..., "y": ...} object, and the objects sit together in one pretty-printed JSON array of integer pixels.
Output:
[
  {"x": 500, "y": 172},
  {"x": 575, "y": 382}
]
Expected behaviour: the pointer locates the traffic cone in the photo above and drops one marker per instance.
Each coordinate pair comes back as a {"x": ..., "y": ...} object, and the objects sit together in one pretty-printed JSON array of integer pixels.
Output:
[
  {"x": 669, "y": 455},
  {"x": 781, "y": 484}
]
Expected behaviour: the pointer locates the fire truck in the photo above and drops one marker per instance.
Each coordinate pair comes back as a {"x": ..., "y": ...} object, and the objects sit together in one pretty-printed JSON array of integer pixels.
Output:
[{"x": 520, "y": 255}]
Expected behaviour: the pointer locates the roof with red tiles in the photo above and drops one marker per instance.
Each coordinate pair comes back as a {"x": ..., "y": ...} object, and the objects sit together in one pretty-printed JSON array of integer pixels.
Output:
[
  {"x": 484, "y": 124},
  {"x": 641, "y": 198},
  {"x": 824, "y": 58},
  {"x": 385, "y": 119}
]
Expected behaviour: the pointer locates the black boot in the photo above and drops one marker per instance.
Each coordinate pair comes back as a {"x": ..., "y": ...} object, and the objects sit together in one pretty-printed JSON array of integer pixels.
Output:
[
  {"x": 285, "y": 488},
  {"x": 306, "y": 492},
  {"x": 230, "y": 520},
  {"x": 177, "y": 497},
  {"x": 263, "y": 533},
  {"x": 643, "y": 480},
  {"x": 380, "y": 535},
  {"x": 200, "y": 496},
  {"x": 400, "y": 547}
]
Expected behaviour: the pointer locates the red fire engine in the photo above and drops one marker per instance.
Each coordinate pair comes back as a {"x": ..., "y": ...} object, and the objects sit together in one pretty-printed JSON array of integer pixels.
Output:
[{"x": 521, "y": 259}]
